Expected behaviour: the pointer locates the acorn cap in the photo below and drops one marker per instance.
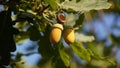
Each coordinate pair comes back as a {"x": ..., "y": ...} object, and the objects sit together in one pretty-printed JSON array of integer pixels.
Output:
[
  {"x": 61, "y": 18},
  {"x": 60, "y": 26}
]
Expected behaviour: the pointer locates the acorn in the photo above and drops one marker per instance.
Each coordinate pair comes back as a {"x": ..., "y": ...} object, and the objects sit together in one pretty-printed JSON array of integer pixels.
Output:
[
  {"x": 56, "y": 32},
  {"x": 61, "y": 18},
  {"x": 69, "y": 35}
]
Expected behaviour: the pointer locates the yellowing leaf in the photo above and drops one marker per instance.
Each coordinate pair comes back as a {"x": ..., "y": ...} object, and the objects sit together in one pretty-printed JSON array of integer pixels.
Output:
[
  {"x": 86, "y": 5},
  {"x": 81, "y": 51}
]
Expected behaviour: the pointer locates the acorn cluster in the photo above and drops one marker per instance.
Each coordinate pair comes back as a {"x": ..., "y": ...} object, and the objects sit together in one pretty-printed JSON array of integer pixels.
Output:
[{"x": 57, "y": 29}]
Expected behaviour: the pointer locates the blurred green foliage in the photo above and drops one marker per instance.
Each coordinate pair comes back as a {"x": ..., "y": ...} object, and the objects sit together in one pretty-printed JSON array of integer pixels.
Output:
[{"x": 34, "y": 20}]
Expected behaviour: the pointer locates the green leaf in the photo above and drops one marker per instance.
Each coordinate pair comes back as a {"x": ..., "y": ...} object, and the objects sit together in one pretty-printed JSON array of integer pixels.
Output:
[
  {"x": 21, "y": 38},
  {"x": 84, "y": 38},
  {"x": 79, "y": 21},
  {"x": 81, "y": 51},
  {"x": 45, "y": 47},
  {"x": 64, "y": 56},
  {"x": 86, "y": 5},
  {"x": 99, "y": 57},
  {"x": 71, "y": 19},
  {"x": 25, "y": 15},
  {"x": 57, "y": 62},
  {"x": 19, "y": 64},
  {"x": 96, "y": 52},
  {"x": 52, "y": 3},
  {"x": 34, "y": 33}
]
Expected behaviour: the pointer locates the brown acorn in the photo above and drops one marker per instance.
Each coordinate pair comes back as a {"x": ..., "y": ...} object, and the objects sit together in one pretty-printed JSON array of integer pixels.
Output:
[
  {"x": 56, "y": 32},
  {"x": 61, "y": 18},
  {"x": 69, "y": 35}
]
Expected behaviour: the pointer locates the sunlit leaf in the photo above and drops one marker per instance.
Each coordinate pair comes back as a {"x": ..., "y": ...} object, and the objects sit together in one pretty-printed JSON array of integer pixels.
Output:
[
  {"x": 81, "y": 51},
  {"x": 99, "y": 57},
  {"x": 95, "y": 49},
  {"x": 52, "y": 3},
  {"x": 84, "y": 38},
  {"x": 71, "y": 19},
  {"x": 96, "y": 53},
  {"x": 86, "y": 5}
]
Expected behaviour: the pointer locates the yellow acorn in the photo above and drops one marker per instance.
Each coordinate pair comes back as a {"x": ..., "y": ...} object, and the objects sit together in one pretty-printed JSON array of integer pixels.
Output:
[
  {"x": 56, "y": 32},
  {"x": 69, "y": 35}
]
